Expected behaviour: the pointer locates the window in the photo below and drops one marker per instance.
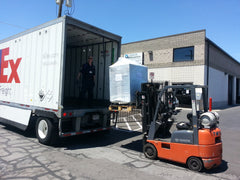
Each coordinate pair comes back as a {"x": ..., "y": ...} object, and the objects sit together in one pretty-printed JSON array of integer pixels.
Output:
[
  {"x": 183, "y": 54},
  {"x": 150, "y": 55}
]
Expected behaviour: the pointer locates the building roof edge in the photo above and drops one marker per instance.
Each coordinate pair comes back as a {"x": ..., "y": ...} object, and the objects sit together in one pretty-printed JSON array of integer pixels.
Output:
[
  {"x": 224, "y": 52},
  {"x": 191, "y": 32}
]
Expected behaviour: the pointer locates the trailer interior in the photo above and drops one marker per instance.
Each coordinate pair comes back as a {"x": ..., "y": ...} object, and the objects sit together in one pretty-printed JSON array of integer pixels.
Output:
[{"x": 81, "y": 44}]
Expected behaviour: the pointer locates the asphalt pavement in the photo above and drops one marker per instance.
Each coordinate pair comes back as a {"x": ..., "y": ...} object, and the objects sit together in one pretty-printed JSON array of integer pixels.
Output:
[{"x": 113, "y": 155}]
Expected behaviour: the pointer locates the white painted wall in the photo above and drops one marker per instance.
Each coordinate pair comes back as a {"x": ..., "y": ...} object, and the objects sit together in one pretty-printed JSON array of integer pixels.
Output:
[
  {"x": 218, "y": 87},
  {"x": 218, "y": 80},
  {"x": 191, "y": 74}
]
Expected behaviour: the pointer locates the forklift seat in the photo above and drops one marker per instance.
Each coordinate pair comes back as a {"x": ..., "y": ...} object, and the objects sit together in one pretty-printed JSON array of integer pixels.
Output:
[{"x": 185, "y": 125}]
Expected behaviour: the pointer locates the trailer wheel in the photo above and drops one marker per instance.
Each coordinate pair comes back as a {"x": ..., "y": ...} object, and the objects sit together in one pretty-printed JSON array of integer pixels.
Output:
[
  {"x": 45, "y": 131},
  {"x": 195, "y": 164},
  {"x": 150, "y": 151}
]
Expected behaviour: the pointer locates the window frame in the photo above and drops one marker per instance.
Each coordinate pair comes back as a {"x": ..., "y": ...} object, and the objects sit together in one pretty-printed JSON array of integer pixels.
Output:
[
  {"x": 183, "y": 60},
  {"x": 150, "y": 54}
]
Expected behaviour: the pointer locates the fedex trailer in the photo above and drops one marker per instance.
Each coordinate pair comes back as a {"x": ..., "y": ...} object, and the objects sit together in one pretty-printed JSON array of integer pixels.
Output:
[{"x": 38, "y": 70}]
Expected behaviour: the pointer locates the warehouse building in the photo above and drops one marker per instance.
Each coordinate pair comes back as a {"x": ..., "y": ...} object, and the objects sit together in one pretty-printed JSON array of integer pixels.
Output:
[{"x": 189, "y": 58}]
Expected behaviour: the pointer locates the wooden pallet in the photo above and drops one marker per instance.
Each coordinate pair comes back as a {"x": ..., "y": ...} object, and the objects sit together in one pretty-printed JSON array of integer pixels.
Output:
[{"x": 121, "y": 108}]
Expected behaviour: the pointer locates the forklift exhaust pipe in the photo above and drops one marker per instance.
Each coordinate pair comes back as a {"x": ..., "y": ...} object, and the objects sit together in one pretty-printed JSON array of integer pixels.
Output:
[{"x": 210, "y": 104}]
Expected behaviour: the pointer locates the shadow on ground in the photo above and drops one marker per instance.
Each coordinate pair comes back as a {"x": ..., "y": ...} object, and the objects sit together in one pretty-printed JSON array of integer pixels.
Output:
[
  {"x": 98, "y": 139},
  {"x": 136, "y": 145},
  {"x": 222, "y": 168}
]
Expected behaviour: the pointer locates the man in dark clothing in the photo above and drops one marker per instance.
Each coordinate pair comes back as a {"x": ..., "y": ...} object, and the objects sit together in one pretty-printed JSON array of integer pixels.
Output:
[{"x": 88, "y": 78}]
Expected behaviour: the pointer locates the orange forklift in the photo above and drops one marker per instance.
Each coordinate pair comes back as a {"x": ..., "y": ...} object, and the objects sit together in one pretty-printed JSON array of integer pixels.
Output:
[{"x": 195, "y": 140}]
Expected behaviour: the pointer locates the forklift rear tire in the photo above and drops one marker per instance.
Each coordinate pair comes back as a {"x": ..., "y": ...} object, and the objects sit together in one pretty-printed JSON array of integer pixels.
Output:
[
  {"x": 195, "y": 164},
  {"x": 150, "y": 151}
]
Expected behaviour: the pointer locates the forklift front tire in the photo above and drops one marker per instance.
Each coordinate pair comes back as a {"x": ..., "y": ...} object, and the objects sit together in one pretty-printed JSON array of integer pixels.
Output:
[
  {"x": 195, "y": 164},
  {"x": 150, "y": 151}
]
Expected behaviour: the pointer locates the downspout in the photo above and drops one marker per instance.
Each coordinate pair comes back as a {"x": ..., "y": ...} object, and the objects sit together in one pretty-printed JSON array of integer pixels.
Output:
[{"x": 207, "y": 67}]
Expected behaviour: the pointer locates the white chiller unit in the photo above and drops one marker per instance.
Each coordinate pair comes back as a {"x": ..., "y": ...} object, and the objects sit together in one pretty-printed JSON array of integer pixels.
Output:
[{"x": 126, "y": 77}]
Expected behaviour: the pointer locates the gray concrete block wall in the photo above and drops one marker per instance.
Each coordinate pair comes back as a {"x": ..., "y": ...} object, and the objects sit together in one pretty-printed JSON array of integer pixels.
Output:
[
  {"x": 223, "y": 62},
  {"x": 162, "y": 49},
  {"x": 164, "y": 58}
]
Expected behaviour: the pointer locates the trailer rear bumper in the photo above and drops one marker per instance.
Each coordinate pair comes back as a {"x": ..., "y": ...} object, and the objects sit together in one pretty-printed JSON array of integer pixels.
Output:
[{"x": 67, "y": 134}]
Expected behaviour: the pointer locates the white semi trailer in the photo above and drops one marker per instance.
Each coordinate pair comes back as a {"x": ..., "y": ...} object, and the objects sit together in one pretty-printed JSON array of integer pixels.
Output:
[{"x": 38, "y": 78}]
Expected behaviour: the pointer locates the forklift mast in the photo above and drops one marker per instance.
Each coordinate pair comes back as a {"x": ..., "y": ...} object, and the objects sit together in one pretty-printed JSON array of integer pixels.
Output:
[
  {"x": 159, "y": 102},
  {"x": 148, "y": 101}
]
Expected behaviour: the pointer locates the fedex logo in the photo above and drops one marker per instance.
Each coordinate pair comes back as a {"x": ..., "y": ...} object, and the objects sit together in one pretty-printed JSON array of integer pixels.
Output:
[{"x": 5, "y": 64}]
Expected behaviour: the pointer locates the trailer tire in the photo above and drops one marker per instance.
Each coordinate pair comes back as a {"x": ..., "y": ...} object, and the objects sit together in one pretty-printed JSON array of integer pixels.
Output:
[
  {"x": 195, "y": 164},
  {"x": 150, "y": 151},
  {"x": 45, "y": 131}
]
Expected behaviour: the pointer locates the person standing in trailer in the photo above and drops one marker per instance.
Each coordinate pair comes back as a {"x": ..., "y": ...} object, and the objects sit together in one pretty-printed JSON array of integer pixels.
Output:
[{"x": 88, "y": 78}]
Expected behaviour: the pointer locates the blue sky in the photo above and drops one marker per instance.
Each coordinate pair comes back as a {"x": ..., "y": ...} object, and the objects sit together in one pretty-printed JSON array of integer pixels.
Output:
[{"x": 135, "y": 20}]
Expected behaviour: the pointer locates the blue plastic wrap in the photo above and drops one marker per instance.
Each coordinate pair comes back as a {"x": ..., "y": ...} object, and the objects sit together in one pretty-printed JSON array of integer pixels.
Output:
[{"x": 125, "y": 78}]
